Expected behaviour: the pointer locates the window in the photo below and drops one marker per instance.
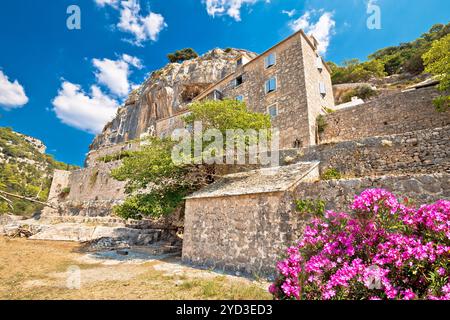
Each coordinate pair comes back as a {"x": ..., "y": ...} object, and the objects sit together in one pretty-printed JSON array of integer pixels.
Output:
[
  {"x": 322, "y": 89},
  {"x": 271, "y": 85},
  {"x": 270, "y": 60},
  {"x": 239, "y": 62},
  {"x": 217, "y": 95},
  {"x": 273, "y": 111},
  {"x": 319, "y": 63},
  {"x": 240, "y": 98},
  {"x": 238, "y": 81}
]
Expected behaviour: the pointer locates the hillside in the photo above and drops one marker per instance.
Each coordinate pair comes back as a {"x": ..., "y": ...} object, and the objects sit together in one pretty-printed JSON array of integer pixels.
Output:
[
  {"x": 405, "y": 59},
  {"x": 26, "y": 170}
]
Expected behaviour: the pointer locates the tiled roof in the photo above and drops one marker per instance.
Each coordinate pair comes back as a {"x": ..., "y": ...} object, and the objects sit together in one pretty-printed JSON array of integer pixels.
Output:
[{"x": 266, "y": 180}]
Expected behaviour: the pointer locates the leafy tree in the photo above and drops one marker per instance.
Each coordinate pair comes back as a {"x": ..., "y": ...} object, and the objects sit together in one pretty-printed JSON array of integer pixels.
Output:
[
  {"x": 182, "y": 55},
  {"x": 355, "y": 71},
  {"x": 156, "y": 185},
  {"x": 437, "y": 62}
]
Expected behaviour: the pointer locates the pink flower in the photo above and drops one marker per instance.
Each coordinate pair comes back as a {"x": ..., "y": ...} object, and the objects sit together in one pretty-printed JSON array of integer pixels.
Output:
[
  {"x": 408, "y": 295},
  {"x": 382, "y": 249}
]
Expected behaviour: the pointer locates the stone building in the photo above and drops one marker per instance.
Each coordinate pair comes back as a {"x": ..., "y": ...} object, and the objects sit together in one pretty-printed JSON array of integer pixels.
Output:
[{"x": 289, "y": 81}]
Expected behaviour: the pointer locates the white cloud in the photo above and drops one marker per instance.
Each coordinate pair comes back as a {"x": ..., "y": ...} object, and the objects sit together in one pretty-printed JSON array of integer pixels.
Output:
[
  {"x": 114, "y": 73},
  {"x": 289, "y": 13},
  {"x": 143, "y": 28},
  {"x": 231, "y": 8},
  {"x": 322, "y": 30},
  {"x": 112, "y": 3},
  {"x": 135, "y": 62},
  {"x": 91, "y": 111},
  {"x": 12, "y": 94},
  {"x": 301, "y": 23},
  {"x": 88, "y": 112}
]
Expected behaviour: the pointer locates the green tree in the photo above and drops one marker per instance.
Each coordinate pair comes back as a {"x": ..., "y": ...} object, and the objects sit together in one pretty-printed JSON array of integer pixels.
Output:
[
  {"x": 182, "y": 55},
  {"x": 156, "y": 185},
  {"x": 437, "y": 62}
]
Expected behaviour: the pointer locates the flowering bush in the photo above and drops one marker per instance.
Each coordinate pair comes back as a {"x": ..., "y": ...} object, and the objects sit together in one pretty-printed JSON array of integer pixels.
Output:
[{"x": 383, "y": 250}]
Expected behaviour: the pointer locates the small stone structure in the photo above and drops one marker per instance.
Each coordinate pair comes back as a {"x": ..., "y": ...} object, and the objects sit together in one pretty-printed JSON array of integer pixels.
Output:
[{"x": 244, "y": 221}]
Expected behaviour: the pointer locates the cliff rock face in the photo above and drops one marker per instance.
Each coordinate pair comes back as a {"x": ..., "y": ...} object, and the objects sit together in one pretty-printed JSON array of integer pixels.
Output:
[{"x": 165, "y": 93}]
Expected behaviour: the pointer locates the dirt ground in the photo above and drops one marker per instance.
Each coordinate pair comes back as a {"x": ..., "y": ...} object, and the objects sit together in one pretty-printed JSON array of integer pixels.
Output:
[{"x": 60, "y": 270}]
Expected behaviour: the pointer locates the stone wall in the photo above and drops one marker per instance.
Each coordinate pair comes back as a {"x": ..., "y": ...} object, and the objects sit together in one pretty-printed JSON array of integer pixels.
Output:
[
  {"x": 94, "y": 155},
  {"x": 95, "y": 183},
  {"x": 59, "y": 183},
  {"x": 339, "y": 194},
  {"x": 246, "y": 233},
  {"x": 423, "y": 151},
  {"x": 165, "y": 127},
  {"x": 396, "y": 113}
]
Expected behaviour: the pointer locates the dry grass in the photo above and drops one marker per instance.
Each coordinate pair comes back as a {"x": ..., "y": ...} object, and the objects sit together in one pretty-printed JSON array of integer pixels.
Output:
[{"x": 37, "y": 270}]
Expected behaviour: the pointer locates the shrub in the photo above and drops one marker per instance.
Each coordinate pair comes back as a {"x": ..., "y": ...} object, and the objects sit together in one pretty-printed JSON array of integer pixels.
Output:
[
  {"x": 64, "y": 192},
  {"x": 182, "y": 55},
  {"x": 363, "y": 92},
  {"x": 442, "y": 103},
  {"x": 384, "y": 249},
  {"x": 437, "y": 62},
  {"x": 93, "y": 178},
  {"x": 331, "y": 174},
  {"x": 321, "y": 123},
  {"x": 115, "y": 157},
  {"x": 308, "y": 205}
]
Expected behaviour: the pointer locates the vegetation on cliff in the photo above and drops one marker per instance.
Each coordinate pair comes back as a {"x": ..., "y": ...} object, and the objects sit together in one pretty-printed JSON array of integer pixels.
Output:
[
  {"x": 404, "y": 58},
  {"x": 182, "y": 55},
  {"x": 24, "y": 171},
  {"x": 156, "y": 184}
]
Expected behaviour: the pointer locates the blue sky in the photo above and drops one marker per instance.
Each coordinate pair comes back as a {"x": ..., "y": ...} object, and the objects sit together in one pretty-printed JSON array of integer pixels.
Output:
[{"x": 62, "y": 85}]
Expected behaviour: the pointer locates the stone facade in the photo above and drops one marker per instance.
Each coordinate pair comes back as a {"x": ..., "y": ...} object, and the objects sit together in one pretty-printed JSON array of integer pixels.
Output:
[
  {"x": 245, "y": 233},
  {"x": 396, "y": 113}
]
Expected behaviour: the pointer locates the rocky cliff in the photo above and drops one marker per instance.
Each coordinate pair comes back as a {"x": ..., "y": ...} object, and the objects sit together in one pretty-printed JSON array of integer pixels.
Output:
[{"x": 166, "y": 92}]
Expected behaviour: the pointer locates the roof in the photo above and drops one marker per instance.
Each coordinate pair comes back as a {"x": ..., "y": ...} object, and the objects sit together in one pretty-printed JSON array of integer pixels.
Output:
[{"x": 266, "y": 180}]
